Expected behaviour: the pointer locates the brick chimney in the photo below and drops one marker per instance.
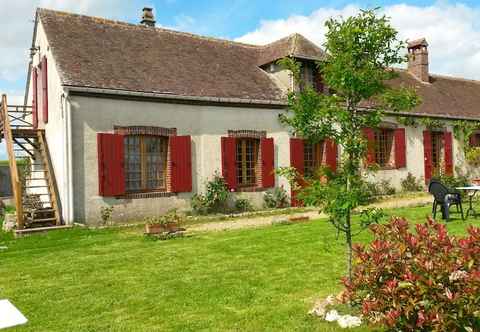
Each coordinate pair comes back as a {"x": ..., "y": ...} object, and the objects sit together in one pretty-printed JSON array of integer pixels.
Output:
[
  {"x": 418, "y": 59},
  {"x": 148, "y": 19}
]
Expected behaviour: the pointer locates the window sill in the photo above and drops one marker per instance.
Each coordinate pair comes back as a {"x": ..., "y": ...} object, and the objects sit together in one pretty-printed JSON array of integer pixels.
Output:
[
  {"x": 151, "y": 194},
  {"x": 387, "y": 168},
  {"x": 250, "y": 189}
]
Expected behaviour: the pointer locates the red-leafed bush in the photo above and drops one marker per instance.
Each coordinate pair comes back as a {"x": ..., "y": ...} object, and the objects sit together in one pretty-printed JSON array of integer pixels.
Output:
[{"x": 418, "y": 281}]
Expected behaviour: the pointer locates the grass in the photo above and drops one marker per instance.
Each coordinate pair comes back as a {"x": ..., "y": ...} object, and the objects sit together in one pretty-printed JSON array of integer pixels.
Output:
[{"x": 117, "y": 280}]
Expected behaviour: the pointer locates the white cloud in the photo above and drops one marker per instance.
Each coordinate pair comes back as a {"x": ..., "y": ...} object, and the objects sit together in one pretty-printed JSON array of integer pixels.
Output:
[
  {"x": 16, "y": 26},
  {"x": 452, "y": 30}
]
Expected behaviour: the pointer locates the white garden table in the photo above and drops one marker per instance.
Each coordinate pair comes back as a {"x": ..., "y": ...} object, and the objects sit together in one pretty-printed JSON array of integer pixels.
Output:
[{"x": 471, "y": 191}]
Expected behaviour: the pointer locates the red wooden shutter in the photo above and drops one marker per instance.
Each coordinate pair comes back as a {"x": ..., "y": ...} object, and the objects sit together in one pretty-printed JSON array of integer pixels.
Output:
[
  {"x": 297, "y": 160},
  {"x": 268, "y": 162},
  {"x": 400, "y": 148},
  {"x": 331, "y": 154},
  {"x": 448, "y": 153},
  {"x": 44, "y": 90},
  {"x": 229, "y": 170},
  {"x": 111, "y": 171},
  {"x": 370, "y": 136},
  {"x": 181, "y": 163},
  {"x": 427, "y": 151},
  {"x": 34, "y": 98},
  {"x": 297, "y": 154}
]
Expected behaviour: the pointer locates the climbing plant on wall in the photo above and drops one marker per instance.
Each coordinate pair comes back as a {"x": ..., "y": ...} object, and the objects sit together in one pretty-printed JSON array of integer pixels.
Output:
[{"x": 462, "y": 130}]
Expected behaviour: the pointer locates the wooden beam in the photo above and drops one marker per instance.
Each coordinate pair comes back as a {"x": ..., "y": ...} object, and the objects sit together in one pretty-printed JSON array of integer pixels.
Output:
[{"x": 16, "y": 186}]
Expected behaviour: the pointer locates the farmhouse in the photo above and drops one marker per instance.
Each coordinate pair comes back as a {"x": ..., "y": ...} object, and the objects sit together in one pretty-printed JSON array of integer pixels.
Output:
[{"x": 139, "y": 118}]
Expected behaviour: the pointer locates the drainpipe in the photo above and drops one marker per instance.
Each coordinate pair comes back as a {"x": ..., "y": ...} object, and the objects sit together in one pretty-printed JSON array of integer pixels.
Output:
[{"x": 68, "y": 158}]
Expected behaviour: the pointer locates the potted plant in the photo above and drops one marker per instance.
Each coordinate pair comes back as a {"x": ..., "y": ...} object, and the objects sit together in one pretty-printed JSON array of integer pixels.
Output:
[
  {"x": 173, "y": 221},
  {"x": 168, "y": 223},
  {"x": 155, "y": 225}
]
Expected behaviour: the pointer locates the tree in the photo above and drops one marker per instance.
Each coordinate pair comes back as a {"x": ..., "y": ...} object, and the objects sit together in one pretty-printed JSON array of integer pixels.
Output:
[{"x": 360, "y": 53}]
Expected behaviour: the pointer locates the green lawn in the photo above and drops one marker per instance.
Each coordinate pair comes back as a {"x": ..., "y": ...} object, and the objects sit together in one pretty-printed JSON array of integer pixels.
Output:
[{"x": 117, "y": 280}]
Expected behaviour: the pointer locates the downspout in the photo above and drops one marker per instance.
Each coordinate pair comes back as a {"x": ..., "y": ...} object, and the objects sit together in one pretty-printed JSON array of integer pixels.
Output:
[{"x": 68, "y": 157}]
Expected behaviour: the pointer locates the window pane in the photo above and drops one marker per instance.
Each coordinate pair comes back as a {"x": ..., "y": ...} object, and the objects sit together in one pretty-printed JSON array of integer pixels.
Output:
[
  {"x": 246, "y": 157},
  {"x": 313, "y": 157},
  {"x": 155, "y": 160},
  {"x": 437, "y": 147},
  {"x": 145, "y": 162},
  {"x": 383, "y": 146},
  {"x": 133, "y": 173}
]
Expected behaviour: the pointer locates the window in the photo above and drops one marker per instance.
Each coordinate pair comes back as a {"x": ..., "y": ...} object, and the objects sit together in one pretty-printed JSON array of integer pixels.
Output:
[
  {"x": 383, "y": 147},
  {"x": 475, "y": 140},
  {"x": 313, "y": 157},
  {"x": 437, "y": 148},
  {"x": 145, "y": 163},
  {"x": 246, "y": 161},
  {"x": 308, "y": 75}
]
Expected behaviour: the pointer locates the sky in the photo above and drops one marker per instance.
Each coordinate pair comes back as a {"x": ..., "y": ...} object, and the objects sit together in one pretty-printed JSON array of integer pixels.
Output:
[{"x": 452, "y": 28}]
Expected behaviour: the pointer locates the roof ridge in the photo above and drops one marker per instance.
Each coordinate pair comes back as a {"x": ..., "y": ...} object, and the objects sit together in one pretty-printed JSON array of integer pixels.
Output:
[
  {"x": 455, "y": 78},
  {"x": 159, "y": 29},
  {"x": 447, "y": 77}
]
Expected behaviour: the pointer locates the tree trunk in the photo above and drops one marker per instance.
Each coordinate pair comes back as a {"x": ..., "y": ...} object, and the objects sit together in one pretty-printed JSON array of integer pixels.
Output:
[
  {"x": 348, "y": 222},
  {"x": 348, "y": 239}
]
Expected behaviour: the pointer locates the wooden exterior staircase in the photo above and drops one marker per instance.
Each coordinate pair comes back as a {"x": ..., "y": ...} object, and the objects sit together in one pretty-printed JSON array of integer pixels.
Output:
[{"x": 33, "y": 179}]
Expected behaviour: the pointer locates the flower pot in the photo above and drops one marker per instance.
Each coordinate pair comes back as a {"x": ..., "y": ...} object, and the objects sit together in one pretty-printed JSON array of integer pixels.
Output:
[
  {"x": 299, "y": 219},
  {"x": 171, "y": 227},
  {"x": 155, "y": 228}
]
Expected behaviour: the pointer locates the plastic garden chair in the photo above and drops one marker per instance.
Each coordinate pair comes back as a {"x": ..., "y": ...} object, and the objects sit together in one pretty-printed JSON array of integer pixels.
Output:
[{"x": 445, "y": 198}]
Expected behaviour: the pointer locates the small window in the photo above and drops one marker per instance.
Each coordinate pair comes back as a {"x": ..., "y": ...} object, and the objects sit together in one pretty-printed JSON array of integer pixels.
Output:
[
  {"x": 313, "y": 157},
  {"x": 145, "y": 163},
  {"x": 246, "y": 161},
  {"x": 384, "y": 147},
  {"x": 475, "y": 140}
]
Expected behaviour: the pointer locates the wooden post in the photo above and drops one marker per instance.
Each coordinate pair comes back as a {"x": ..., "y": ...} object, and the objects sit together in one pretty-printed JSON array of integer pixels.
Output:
[{"x": 16, "y": 185}]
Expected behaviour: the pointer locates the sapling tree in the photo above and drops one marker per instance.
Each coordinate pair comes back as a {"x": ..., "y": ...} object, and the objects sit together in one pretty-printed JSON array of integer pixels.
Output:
[{"x": 361, "y": 51}]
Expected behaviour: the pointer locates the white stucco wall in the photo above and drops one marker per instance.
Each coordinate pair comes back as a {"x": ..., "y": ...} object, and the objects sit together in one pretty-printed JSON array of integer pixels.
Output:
[
  {"x": 55, "y": 128},
  {"x": 415, "y": 158},
  {"x": 205, "y": 124}
]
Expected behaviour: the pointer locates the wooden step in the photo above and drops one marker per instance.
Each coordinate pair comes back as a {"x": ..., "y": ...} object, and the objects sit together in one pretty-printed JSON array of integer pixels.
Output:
[
  {"x": 37, "y": 221},
  {"x": 35, "y": 187},
  {"x": 27, "y": 231}
]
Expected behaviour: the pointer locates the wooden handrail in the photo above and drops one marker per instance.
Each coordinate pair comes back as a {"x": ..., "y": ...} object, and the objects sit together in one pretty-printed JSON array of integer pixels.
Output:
[
  {"x": 51, "y": 182},
  {"x": 16, "y": 185}
]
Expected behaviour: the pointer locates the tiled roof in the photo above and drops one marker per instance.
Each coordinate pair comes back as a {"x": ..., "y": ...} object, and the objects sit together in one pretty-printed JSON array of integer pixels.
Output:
[
  {"x": 444, "y": 96},
  {"x": 294, "y": 45},
  {"x": 99, "y": 53},
  {"x": 103, "y": 54}
]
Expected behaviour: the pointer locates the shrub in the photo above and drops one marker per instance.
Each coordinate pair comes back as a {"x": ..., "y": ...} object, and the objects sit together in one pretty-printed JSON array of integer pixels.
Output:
[
  {"x": 418, "y": 281},
  {"x": 171, "y": 217},
  {"x": 472, "y": 155},
  {"x": 243, "y": 205},
  {"x": 371, "y": 190},
  {"x": 215, "y": 197},
  {"x": 106, "y": 215},
  {"x": 411, "y": 183},
  {"x": 453, "y": 181},
  {"x": 276, "y": 198},
  {"x": 199, "y": 204},
  {"x": 386, "y": 188}
]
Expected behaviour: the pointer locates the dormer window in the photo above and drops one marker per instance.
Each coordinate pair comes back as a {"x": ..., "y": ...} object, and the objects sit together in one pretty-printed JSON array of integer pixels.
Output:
[{"x": 311, "y": 77}]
